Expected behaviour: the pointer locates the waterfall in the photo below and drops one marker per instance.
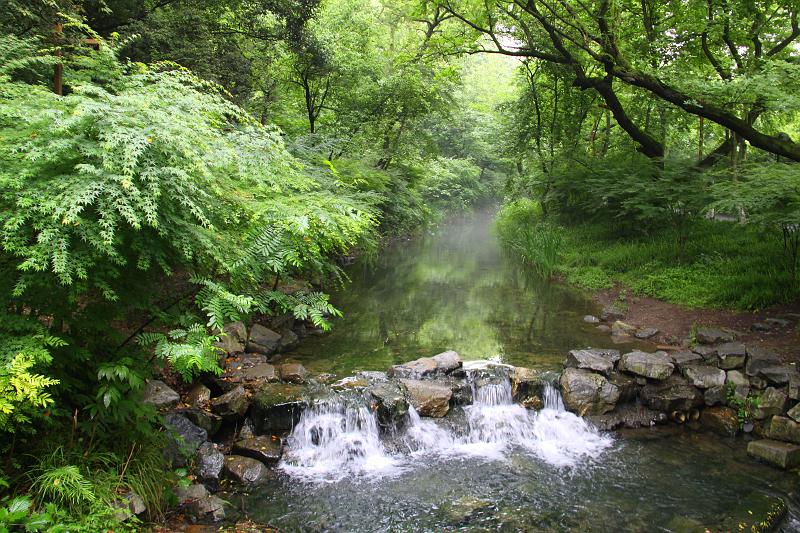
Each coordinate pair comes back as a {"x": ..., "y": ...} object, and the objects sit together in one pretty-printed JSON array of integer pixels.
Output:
[
  {"x": 340, "y": 437},
  {"x": 336, "y": 439}
]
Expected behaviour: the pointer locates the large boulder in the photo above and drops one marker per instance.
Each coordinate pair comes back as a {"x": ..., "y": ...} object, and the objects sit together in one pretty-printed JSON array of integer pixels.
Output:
[
  {"x": 705, "y": 377},
  {"x": 713, "y": 336},
  {"x": 293, "y": 373},
  {"x": 673, "y": 394},
  {"x": 390, "y": 402},
  {"x": 158, "y": 394},
  {"x": 589, "y": 360},
  {"x": 628, "y": 386},
  {"x": 209, "y": 463},
  {"x": 527, "y": 386},
  {"x": 428, "y": 398},
  {"x": 277, "y": 407},
  {"x": 245, "y": 470},
  {"x": 232, "y": 404},
  {"x": 266, "y": 449},
  {"x": 731, "y": 355},
  {"x": 781, "y": 454},
  {"x": 587, "y": 393},
  {"x": 415, "y": 369},
  {"x": 263, "y": 340},
  {"x": 782, "y": 428},
  {"x": 447, "y": 361},
  {"x": 771, "y": 402},
  {"x": 649, "y": 365},
  {"x": 758, "y": 358},
  {"x": 683, "y": 358},
  {"x": 211, "y": 422},
  {"x": 184, "y": 438},
  {"x": 778, "y": 375},
  {"x": 289, "y": 341}
]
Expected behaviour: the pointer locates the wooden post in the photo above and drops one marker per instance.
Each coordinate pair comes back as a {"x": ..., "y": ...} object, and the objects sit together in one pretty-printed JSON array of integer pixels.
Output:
[{"x": 58, "y": 72}]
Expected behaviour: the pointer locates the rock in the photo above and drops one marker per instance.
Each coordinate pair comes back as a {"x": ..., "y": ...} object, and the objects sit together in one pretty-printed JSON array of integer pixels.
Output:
[
  {"x": 720, "y": 420},
  {"x": 447, "y": 361},
  {"x": 428, "y": 398},
  {"x": 777, "y": 322},
  {"x": 263, "y": 340},
  {"x": 373, "y": 376},
  {"x": 588, "y": 360},
  {"x": 704, "y": 377},
  {"x": 159, "y": 395},
  {"x": 591, "y": 319},
  {"x": 262, "y": 448},
  {"x": 684, "y": 358},
  {"x": 630, "y": 416},
  {"x": 794, "y": 387},
  {"x": 757, "y": 513},
  {"x": 673, "y": 394},
  {"x": 739, "y": 382},
  {"x": 784, "y": 429},
  {"x": 350, "y": 383},
  {"x": 794, "y": 413},
  {"x": 712, "y": 336},
  {"x": 392, "y": 406},
  {"x": 231, "y": 405},
  {"x": 210, "y": 508},
  {"x": 760, "y": 327},
  {"x": 708, "y": 353},
  {"x": 277, "y": 407},
  {"x": 130, "y": 504},
  {"x": 717, "y": 395},
  {"x": 289, "y": 341},
  {"x": 758, "y": 358},
  {"x": 604, "y": 328},
  {"x": 233, "y": 339},
  {"x": 209, "y": 463},
  {"x": 610, "y": 313},
  {"x": 646, "y": 333},
  {"x": 781, "y": 454},
  {"x": 778, "y": 375},
  {"x": 621, "y": 329},
  {"x": 293, "y": 373},
  {"x": 247, "y": 430},
  {"x": 649, "y": 365},
  {"x": 209, "y": 421},
  {"x": 195, "y": 491},
  {"x": 198, "y": 396},
  {"x": 466, "y": 509},
  {"x": 184, "y": 438},
  {"x": 414, "y": 369},
  {"x": 627, "y": 385},
  {"x": 587, "y": 393},
  {"x": 245, "y": 470},
  {"x": 771, "y": 402},
  {"x": 527, "y": 386},
  {"x": 758, "y": 383},
  {"x": 731, "y": 355}
]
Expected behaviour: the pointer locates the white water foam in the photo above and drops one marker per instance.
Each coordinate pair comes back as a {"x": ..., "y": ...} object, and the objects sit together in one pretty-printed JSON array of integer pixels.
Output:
[{"x": 333, "y": 440}]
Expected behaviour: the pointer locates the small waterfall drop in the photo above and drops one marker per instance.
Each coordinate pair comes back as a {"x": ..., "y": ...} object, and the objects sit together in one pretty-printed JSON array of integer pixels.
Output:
[{"x": 336, "y": 439}]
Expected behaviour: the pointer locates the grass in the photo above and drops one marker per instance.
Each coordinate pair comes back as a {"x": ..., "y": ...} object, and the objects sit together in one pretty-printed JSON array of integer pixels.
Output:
[{"x": 724, "y": 265}]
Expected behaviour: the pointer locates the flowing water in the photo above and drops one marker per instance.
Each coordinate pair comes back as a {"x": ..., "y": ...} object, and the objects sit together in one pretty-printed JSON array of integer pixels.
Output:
[{"x": 492, "y": 465}]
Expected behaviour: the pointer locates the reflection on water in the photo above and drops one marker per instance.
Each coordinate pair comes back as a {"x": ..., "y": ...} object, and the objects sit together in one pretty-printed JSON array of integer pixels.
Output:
[{"x": 452, "y": 289}]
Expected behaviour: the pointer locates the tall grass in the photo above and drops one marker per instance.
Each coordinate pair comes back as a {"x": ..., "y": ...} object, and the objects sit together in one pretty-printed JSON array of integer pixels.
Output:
[{"x": 724, "y": 265}]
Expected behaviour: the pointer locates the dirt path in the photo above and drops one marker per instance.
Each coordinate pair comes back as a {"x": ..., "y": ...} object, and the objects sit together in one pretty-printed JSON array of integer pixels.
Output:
[{"x": 675, "y": 322}]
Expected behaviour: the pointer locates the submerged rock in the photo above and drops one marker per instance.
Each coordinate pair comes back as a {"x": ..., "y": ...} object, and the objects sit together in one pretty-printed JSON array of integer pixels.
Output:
[
  {"x": 428, "y": 398},
  {"x": 160, "y": 395},
  {"x": 781, "y": 454},
  {"x": 587, "y": 393},
  {"x": 649, "y": 365},
  {"x": 756, "y": 513}
]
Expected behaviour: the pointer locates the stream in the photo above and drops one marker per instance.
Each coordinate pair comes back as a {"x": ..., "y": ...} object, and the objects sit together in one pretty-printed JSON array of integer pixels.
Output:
[{"x": 492, "y": 465}]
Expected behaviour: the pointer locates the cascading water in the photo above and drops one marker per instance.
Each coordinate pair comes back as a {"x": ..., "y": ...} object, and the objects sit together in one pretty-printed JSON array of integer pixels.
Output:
[
  {"x": 336, "y": 439},
  {"x": 341, "y": 437}
]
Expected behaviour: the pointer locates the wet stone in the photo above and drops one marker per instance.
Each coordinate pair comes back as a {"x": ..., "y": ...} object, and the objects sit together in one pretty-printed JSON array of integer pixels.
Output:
[
  {"x": 629, "y": 416},
  {"x": 277, "y": 407},
  {"x": 210, "y": 508},
  {"x": 232, "y": 404},
  {"x": 263, "y": 340},
  {"x": 392, "y": 406},
  {"x": 184, "y": 438},
  {"x": 755, "y": 513},
  {"x": 527, "y": 386},
  {"x": 293, "y": 373},
  {"x": 720, "y": 420},
  {"x": 209, "y": 463},
  {"x": 245, "y": 470},
  {"x": 673, "y": 394},
  {"x": 414, "y": 369},
  {"x": 428, "y": 398},
  {"x": 588, "y": 360},
  {"x": 266, "y": 449},
  {"x": 211, "y": 422},
  {"x": 587, "y": 393},
  {"x": 447, "y": 361},
  {"x": 628, "y": 386}
]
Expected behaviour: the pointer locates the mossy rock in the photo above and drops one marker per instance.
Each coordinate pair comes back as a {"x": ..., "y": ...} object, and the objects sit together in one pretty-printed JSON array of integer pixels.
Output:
[{"x": 755, "y": 513}]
